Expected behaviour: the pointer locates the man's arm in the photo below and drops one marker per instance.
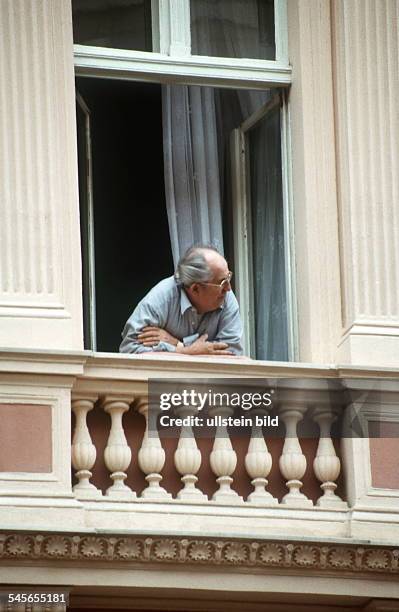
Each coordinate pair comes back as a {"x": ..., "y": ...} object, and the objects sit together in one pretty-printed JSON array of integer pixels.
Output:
[
  {"x": 230, "y": 325},
  {"x": 146, "y": 314}
]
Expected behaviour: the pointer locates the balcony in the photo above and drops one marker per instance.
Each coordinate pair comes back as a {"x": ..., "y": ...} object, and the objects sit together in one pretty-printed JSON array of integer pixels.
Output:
[{"x": 251, "y": 502}]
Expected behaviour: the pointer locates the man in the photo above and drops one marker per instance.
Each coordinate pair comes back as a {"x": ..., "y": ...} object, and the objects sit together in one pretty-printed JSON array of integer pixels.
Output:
[{"x": 193, "y": 313}]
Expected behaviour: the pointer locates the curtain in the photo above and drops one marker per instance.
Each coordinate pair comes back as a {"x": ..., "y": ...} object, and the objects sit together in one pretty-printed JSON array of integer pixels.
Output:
[
  {"x": 270, "y": 308},
  {"x": 191, "y": 161},
  {"x": 233, "y": 28}
]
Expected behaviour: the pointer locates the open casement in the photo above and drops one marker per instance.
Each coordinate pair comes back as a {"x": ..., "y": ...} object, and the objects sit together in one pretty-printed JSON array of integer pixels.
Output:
[
  {"x": 86, "y": 221},
  {"x": 248, "y": 216}
]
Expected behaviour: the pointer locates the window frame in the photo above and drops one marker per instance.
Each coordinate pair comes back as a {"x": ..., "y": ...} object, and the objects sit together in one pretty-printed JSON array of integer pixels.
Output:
[
  {"x": 172, "y": 57},
  {"x": 171, "y": 62},
  {"x": 243, "y": 228}
]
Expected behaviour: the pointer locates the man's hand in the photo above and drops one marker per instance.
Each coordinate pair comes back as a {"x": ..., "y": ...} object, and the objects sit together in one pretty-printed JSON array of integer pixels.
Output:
[
  {"x": 151, "y": 336},
  {"x": 202, "y": 347}
]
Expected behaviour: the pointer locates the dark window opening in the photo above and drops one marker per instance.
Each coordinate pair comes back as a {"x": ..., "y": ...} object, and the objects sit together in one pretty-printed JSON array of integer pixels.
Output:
[
  {"x": 132, "y": 249},
  {"x": 119, "y": 24}
]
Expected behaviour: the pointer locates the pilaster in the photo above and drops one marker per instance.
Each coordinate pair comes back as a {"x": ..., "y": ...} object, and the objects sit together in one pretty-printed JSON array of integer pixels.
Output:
[
  {"x": 366, "y": 88},
  {"x": 40, "y": 292}
]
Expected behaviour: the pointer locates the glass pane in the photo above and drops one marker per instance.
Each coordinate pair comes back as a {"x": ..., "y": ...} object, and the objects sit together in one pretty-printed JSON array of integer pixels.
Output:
[
  {"x": 119, "y": 24},
  {"x": 270, "y": 304},
  {"x": 233, "y": 28}
]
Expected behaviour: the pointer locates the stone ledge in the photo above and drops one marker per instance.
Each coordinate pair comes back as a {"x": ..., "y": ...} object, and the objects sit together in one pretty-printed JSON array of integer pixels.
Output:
[{"x": 331, "y": 558}]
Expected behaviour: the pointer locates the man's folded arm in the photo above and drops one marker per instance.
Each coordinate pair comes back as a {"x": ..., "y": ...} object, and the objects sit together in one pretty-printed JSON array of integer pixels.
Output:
[{"x": 144, "y": 315}]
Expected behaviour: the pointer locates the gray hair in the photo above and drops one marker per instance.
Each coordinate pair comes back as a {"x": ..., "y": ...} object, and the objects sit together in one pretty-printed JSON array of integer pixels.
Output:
[{"x": 193, "y": 267}]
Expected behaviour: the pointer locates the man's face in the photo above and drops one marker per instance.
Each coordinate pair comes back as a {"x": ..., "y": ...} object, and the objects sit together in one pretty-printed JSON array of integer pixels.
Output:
[{"x": 209, "y": 296}]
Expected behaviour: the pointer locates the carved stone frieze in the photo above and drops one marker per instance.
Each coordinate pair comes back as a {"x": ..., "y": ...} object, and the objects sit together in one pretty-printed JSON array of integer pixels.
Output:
[{"x": 207, "y": 551}]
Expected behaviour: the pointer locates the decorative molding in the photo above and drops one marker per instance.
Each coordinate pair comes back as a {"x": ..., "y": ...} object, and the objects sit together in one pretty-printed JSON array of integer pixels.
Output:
[{"x": 309, "y": 556}]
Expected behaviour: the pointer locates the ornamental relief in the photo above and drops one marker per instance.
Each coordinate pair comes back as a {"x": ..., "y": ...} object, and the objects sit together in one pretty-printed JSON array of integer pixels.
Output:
[{"x": 234, "y": 553}]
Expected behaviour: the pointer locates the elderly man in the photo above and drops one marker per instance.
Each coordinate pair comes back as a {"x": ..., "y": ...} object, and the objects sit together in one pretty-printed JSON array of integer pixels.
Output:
[{"x": 193, "y": 313}]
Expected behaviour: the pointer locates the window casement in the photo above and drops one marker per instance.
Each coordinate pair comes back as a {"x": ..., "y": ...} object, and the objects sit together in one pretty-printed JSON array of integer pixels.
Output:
[
  {"x": 172, "y": 39},
  {"x": 171, "y": 56}
]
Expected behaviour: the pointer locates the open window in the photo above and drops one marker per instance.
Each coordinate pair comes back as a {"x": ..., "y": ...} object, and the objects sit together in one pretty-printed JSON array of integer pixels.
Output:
[
  {"x": 162, "y": 180},
  {"x": 188, "y": 144}
]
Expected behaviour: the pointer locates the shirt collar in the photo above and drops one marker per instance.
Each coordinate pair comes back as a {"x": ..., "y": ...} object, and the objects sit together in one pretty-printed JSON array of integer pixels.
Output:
[{"x": 185, "y": 303}]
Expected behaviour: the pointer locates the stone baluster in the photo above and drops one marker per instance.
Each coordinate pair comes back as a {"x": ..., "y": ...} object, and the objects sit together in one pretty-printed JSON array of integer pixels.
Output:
[
  {"x": 326, "y": 464},
  {"x": 292, "y": 461},
  {"x": 223, "y": 458},
  {"x": 117, "y": 454},
  {"x": 83, "y": 450},
  {"x": 258, "y": 463},
  {"x": 151, "y": 454},
  {"x": 188, "y": 458}
]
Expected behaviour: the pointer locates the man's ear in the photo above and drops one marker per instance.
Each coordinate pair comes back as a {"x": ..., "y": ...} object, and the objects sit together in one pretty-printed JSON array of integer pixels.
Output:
[{"x": 194, "y": 288}]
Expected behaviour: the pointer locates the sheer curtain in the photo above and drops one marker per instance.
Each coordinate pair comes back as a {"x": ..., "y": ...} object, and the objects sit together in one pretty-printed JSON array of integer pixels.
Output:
[
  {"x": 191, "y": 160},
  {"x": 270, "y": 308},
  {"x": 233, "y": 28}
]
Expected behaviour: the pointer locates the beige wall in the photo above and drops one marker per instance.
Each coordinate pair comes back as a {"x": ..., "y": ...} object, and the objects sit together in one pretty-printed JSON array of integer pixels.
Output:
[{"x": 344, "y": 130}]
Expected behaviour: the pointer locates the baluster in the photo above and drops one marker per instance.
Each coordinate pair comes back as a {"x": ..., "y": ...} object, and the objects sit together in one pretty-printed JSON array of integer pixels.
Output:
[
  {"x": 188, "y": 458},
  {"x": 326, "y": 464},
  {"x": 223, "y": 459},
  {"x": 292, "y": 461},
  {"x": 151, "y": 454},
  {"x": 83, "y": 450},
  {"x": 258, "y": 463},
  {"x": 117, "y": 454}
]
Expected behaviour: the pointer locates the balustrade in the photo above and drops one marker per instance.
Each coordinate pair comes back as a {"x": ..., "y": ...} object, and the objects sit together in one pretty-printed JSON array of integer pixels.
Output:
[
  {"x": 151, "y": 456},
  {"x": 188, "y": 458},
  {"x": 292, "y": 461},
  {"x": 326, "y": 464},
  {"x": 252, "y": 487},
  {"x": 117, "y": 454},
  {"x": 83, "y": 450}
]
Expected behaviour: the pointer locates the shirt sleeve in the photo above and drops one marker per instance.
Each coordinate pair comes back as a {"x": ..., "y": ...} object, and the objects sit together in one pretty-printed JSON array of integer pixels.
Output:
[
  {"x": 146, "y": 313},
  {"x": 230, "y": 325},
  {"x": 188, "y": 340}
]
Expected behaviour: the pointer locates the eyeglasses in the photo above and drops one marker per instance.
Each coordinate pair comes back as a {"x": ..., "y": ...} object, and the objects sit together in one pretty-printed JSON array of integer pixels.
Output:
[{"x": 224, "y": 283}]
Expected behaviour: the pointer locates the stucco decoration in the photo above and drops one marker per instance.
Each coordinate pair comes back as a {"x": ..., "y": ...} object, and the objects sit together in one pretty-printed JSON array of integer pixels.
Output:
[{"x": 335, "y": 558}]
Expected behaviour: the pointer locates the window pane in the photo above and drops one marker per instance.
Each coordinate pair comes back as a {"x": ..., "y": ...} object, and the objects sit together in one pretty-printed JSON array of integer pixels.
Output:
[
  {"x": 233, "y": 28},
  {"x": 267, "y": 221},
  {"x": 119, "y": 24}
]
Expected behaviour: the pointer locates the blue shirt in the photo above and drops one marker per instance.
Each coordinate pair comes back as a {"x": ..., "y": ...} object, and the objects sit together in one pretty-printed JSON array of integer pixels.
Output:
[{"x": 167, "y": 306}]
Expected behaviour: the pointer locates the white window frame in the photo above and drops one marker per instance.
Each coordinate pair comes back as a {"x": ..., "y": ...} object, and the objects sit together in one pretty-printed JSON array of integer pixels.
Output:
[
  {"x": 243, "y": 230},
  {"x": 172, "y": 57},
  {"x": 172, "y": 62}
]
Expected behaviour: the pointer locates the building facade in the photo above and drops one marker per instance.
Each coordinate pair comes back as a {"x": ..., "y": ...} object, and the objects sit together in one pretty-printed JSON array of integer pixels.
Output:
[{"x": 178, "y": 524}]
